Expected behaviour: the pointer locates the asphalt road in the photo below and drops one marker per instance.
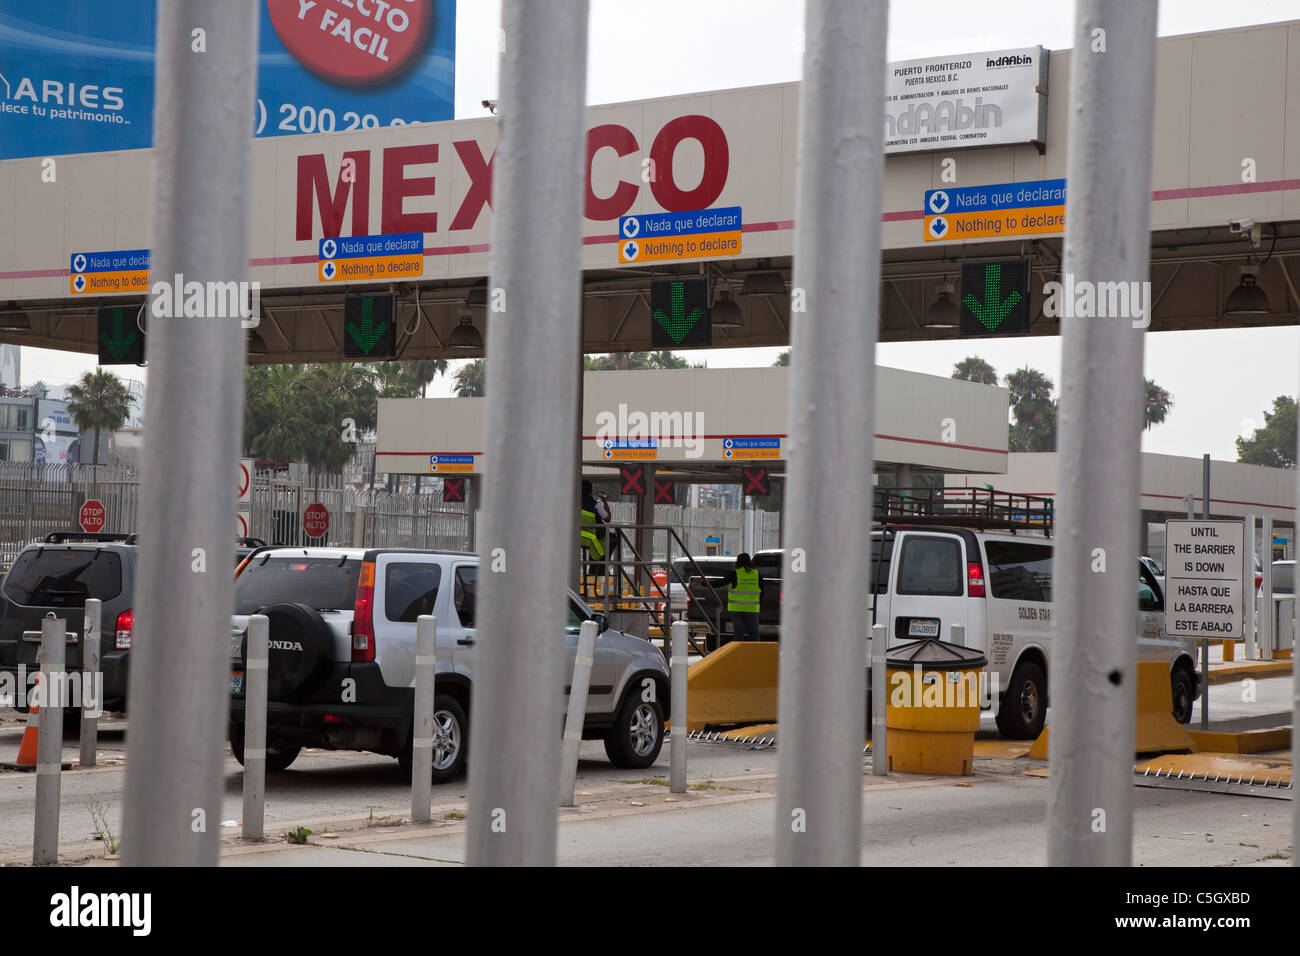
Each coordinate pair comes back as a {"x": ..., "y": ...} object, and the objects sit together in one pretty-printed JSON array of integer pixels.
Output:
[{"x": 996, "y": 817}]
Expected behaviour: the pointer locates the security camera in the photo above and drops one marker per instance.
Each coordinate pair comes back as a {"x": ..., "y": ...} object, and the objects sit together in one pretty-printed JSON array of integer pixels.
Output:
[
  {"x": 490, "y": 106},
  {"x": 1240, "y": 225}
]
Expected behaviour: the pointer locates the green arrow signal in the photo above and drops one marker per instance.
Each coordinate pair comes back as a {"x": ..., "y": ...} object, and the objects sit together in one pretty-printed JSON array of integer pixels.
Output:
[
  {"x": 678, "y": 323},
  {"x": 120, "y": 341},
  {"x": 370, "y": 332},
  {"x": 994, "y": 309}
]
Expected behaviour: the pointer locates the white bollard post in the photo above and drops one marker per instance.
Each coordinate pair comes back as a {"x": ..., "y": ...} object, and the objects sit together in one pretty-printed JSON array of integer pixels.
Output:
[
  {"x": 1267, "y": 639},
  {"x": 577, "y": 709},
  {"x": 879, "y": 690},
  {"x": 255, "y": 690},
  {"x": 426, "y": 643},
  {"x": 49, "y": 748},
  {"x": 90, "y": 704},
  {"x": 1252, "y": 605},
  {"x": 677, "y": 748}
]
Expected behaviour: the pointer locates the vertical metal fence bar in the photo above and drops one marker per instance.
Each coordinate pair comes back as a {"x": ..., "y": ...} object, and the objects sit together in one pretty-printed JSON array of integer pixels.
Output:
[
  {"x": 1107, "y": 239},
  {"x": 839, "y": 184},
  {"x": 202, "y": 181},
  {"x": 532, "y": 341}
]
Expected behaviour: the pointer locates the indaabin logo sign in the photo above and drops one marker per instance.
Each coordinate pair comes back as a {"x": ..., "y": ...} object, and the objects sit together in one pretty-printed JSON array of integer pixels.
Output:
[{"x": 1010, "y": 59}]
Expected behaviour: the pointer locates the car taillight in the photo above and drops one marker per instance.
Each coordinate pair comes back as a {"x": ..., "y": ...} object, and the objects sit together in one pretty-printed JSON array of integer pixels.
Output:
[
  {"x": 975, "y": 579},
  {"x": 125, "y": 622},
  {"x": 1259, "y": 580},
  {"x": 363, "y": 624}
]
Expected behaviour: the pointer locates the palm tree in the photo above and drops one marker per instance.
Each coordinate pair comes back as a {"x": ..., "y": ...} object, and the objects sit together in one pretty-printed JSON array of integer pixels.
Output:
[
  {"x": 1158, "y": 402},
  {"x": 275, "y": 411},
  {"x": 99, "y": 400},
  {"x": 975, "y": 369},
  {"x": 424, "y": 371},
  {"x": 1034, "y": 409},
  {"x": 471, "y": 380}
]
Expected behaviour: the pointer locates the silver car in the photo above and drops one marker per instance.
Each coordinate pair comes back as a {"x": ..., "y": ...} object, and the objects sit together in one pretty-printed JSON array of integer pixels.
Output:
[{"x": 342, "y": 657}]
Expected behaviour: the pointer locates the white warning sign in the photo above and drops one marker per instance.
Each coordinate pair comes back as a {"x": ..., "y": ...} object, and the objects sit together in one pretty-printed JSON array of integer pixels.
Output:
[{"x": 1205, "y": 565}]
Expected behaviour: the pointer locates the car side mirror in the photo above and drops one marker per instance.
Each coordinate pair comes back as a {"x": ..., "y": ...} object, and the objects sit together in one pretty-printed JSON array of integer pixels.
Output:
[{"x": 602, "y": 623}]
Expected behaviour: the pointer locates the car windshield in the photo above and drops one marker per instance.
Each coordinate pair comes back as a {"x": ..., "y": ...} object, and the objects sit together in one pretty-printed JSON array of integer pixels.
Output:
[
  {"x": 64, "y": 577},
  {"x": 326, "y": 584}
]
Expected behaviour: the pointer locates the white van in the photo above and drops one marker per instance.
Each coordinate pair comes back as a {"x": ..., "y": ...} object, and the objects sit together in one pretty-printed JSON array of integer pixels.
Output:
[{"x": 998, "y": 586}]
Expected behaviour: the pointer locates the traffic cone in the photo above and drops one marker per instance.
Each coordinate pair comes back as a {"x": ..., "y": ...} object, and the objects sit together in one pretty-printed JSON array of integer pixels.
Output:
[{"x": 27, "y": 749}]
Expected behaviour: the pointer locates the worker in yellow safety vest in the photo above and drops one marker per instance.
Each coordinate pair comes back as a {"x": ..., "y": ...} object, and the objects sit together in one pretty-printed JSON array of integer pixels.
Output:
[
  {"x": 591, "y": 527},
  {"x": 744, "y": 591}
]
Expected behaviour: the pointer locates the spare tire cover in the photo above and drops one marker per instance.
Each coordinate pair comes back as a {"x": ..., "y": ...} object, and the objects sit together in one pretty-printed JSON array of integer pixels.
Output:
[{"x": 300, "y": 650}]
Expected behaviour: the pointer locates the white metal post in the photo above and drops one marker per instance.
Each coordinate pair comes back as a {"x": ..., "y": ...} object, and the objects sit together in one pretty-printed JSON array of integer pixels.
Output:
[
  {"x": 1107, "y": 239},
  {"x": 256, "y": 654},
  {"x": 426, "y": 650},
  {"x": 202, "y": 159},
  {"x": 677, "y": 748},
  {"x": 879, "y": 702},
  {"x": 1267, "y": 637},
  {"x": 577, "y": 709},
  {"x": 1252, "y": 604},
  {"x": 834, "y": 304},
  {"x": 533, "y": 334},
  {"x": 92, "y": 705},
  {"x": 49, "y": 745}
]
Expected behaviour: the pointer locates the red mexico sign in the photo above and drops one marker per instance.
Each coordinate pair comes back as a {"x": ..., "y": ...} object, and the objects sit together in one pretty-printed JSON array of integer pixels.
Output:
[
  {"x": 92, "y": 516},
  {"x": 315, "y": 520}
]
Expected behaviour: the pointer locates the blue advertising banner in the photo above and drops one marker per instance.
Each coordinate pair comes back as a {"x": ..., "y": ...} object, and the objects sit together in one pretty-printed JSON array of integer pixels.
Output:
[{"x": 77, "y": 76}]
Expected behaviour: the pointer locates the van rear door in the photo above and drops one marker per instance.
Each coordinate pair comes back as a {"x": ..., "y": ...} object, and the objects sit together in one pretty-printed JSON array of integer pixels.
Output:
[{"x": 928, "y": 592}]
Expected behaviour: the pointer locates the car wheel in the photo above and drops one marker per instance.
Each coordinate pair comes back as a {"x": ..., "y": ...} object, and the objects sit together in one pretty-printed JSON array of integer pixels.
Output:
[
  {"x": 637, "y": 736},
  {"x": 450, "y": 741},
  {"x": 1024, "y": 705},
  {"x": 1183, "y": 685},
  {"x": 280, "y": 753}
]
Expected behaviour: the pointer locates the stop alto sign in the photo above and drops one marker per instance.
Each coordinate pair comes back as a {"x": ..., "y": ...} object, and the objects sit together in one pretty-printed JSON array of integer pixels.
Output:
[
  {"x": 92, "y": 516},
  {"x": 315, "y": 520}
]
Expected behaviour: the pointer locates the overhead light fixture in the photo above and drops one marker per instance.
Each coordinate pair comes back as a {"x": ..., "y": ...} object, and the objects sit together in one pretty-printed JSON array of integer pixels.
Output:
[
  {"x": 725, "y": 314},
  {"x": 1248, "y": 298},
  {"x": 465, "y": 336},
  {"x": 764, "y": 282},
  {"x": 477, "y": 293},
  {"x": 944, "y": 312}
]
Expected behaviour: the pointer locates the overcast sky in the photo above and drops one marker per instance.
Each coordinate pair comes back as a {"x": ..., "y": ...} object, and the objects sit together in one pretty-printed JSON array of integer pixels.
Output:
[{"x": 688, "y": 46}]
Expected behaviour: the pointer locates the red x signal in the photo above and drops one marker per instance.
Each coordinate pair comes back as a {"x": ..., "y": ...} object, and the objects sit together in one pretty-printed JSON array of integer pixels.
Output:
[
  {"x": 453, "y": 489},
  {"x": 755, "y": 481},
  {"x": 633, "y": 479},
  {"x": 664, "y": 492}
]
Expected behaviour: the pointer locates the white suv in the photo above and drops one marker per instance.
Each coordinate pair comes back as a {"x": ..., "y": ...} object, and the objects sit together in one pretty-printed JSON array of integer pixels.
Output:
[{"x": 342, "y": 657}]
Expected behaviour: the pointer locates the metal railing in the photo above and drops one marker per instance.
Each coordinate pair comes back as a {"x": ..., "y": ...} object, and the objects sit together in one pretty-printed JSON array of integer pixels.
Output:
[{"x": 628, "y": 579}]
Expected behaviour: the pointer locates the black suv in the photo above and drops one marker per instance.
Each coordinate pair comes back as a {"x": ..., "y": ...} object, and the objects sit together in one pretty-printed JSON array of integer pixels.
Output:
[{"x": 59, "y": 574}]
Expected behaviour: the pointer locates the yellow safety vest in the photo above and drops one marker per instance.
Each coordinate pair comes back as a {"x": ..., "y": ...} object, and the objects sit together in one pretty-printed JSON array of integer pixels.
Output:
[
  {"x": 592, "y": 537},
  {"x": 744, "y": 596}
]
